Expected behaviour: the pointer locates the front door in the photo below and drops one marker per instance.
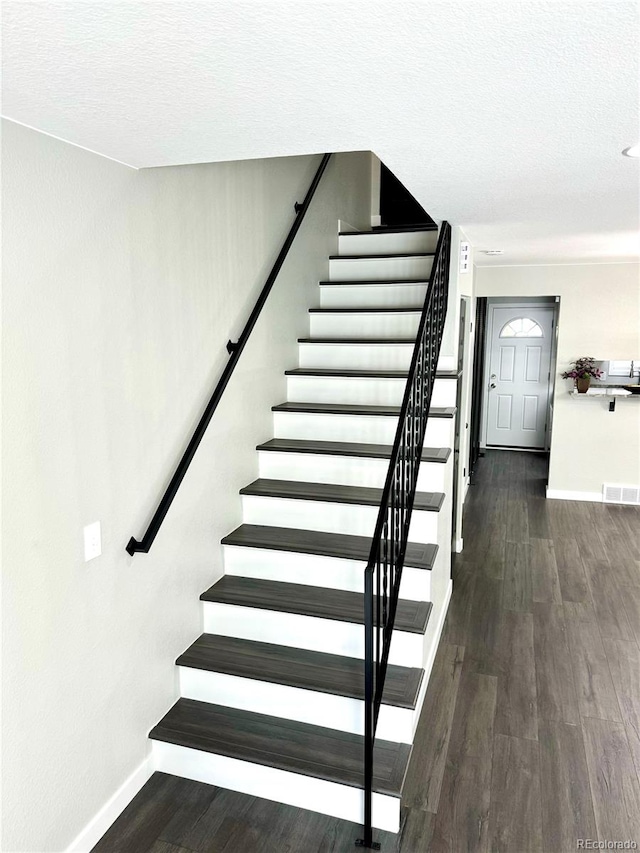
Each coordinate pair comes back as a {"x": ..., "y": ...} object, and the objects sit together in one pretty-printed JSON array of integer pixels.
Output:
[{"x": 519, "y": 380}]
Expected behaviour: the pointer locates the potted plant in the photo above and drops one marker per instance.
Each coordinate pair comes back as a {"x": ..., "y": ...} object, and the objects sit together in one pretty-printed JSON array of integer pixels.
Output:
[{"x": 585, "y": 369}]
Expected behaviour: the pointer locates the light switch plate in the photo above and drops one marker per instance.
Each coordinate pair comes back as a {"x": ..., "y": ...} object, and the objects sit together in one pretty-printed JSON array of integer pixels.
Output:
[
  {"x": 92, "y": 541},
  {"x": 465, "y": 257}
]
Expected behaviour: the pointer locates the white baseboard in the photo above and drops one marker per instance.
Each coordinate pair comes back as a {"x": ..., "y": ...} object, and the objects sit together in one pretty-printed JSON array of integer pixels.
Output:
[
  {"x": 113, "y": 808},
  {"x": 459, "y": 545},
  {"x": 438, "y": 632},
  {"x": 568, "y": 495}
]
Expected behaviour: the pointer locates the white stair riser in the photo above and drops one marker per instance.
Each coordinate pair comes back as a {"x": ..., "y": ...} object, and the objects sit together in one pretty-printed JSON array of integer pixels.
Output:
[
  {"x": 364, "y": 325},
  {"x": 342, "y": 470},
  {"x": 356, "y": 356},
  {"x": 305, "y": 632},
  {"x": 353, "y": 519},
  {"x": 362, "y": 391},
  {"x": 387, "y": 244},
  {"x": 363, "y": 428},
  {"x": 446, "y": 362},
  {"x": 315, "y": 570},
  {"x": 373, "y": 296},
  {"x": 374, "y": 269},
  {"x": 319, "y": 795},
  {"x": 292, "y": 703}
]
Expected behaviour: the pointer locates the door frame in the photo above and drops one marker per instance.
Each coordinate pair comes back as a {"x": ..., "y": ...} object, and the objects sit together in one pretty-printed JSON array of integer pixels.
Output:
[
  {"x": 460, "y": 466},
  {"x": 552, "y": 302},
  {"x": 477, "y": 386}
]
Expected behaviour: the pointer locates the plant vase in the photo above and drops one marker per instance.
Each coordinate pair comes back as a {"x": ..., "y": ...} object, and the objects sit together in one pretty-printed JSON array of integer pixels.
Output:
[{"x": 583, "y": 383}]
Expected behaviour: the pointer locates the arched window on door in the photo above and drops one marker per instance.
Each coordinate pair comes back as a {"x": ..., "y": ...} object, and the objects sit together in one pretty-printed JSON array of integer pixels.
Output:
[{"x": 521, "y": 327}]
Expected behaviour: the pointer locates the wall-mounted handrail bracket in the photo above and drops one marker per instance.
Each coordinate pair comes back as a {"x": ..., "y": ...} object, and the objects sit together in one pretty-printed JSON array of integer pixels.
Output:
[
  {"x": 235, "y": 351},
  {"x": 298, "y": 206},
  {"x": 132, "y": 546}
]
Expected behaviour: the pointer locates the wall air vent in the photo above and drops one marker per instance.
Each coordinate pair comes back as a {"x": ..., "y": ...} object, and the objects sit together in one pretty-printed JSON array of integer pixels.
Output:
[{"x": 615, "y": 493}]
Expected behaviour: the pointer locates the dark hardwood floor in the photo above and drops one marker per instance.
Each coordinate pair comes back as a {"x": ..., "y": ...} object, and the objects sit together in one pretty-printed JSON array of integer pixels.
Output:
[{"x": 529, "y": 738}]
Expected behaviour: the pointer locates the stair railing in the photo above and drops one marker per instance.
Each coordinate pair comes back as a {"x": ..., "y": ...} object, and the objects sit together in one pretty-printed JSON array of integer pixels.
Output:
[
  {"x": 386, "y": 558},
  {"x": 235, "y": 351}
]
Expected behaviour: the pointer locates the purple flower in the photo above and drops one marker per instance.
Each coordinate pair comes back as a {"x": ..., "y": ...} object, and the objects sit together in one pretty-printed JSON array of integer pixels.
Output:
[{"x": 585, "y": 366}]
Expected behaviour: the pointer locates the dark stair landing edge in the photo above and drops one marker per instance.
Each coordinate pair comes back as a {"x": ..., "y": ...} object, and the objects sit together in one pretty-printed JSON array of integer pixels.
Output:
[
  {"x": 320, "y": 602},
  {"x": 391, "y": 309},
  {"x": 382, "y": 229},
  {"x": 358, "y": 341},
  {"x": 332, "y": 493},
  {"x": 356, "y": 409},
  {"x": 347, "y": 448},
  {"x": 401, "y": 229},
  {"x": 300, "y": 668},
  {"x": 283, "y": 744},
  {"x": 355, "y": 373},
  {"x": 318, "y": 543},
  {"x": 384, "y": 255},
  {"x": 423, "y": 281}
]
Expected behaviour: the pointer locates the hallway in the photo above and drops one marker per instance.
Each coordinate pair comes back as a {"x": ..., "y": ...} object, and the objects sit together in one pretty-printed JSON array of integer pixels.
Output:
[
  {"x": 531, "y": 729},
  {"x": 529, "y": 738}
]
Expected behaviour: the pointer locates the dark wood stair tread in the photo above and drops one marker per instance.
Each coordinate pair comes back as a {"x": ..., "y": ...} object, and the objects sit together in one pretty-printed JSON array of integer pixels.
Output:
[
  {"x": 379, "y": 373},
  {"x": 448, "y": 374},
  {"x": 321, "y": 602},
  {"x": 357, "y": 409},
  {"x": 391, "y": 309},
  {"x": 338, "y": 545},
  {"x": 409, "y": 226},
  {"x": 332, "y": 493},
  {"x": 384, "y": 255},
  {"x": 403, "y": 341},
  {"x": 307, "y": 670},
  {"x": 338, "y": 409},
  {"x": 382, "y": 229},
  {"x": 425, "y": 280},
  {"x": 346, "y": 448},
  {"x": 283, "y": 744}
]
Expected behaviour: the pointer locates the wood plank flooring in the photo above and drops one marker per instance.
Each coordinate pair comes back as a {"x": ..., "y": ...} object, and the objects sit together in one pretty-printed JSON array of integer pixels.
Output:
[
  {"x": 288, "y": 745},
  {"x": 347, "y": 448},
  {"x": 529, "y": 737},
  {"x": 332, "y": 493},
  {"x": 300, "y": 668},
  {"x": 340, "y": 545},
  {"x": 338, "y": 604}
]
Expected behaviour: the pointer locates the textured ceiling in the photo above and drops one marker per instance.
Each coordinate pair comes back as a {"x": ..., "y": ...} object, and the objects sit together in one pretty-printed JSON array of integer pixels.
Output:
[{"x": 507, "y": 118}]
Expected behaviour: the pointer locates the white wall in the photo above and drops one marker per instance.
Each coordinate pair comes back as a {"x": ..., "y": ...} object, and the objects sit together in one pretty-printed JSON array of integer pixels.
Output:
[
  {"x": 600, "y": 317},
  {"x": 375, "y": 190},
  {"x": 121, "y": 289}
]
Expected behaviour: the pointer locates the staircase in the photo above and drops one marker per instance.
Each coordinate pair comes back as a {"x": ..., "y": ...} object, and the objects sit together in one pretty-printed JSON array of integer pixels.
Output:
[{"x": 273, "y": 692}]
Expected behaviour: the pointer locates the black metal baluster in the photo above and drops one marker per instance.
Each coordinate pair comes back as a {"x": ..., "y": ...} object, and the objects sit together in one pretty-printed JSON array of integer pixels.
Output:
[
  {"x": 391, "y": 534},
  {"x": 369, "y": 731}
]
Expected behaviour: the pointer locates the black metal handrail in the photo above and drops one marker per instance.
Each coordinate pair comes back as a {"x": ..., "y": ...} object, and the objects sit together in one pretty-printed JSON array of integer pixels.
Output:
[
  {"x": 235, "y": 351},
  {"x": 386, "y": 558}
]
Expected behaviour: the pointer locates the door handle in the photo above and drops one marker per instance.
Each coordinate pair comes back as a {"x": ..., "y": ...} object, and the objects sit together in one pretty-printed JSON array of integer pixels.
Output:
[{"x": 493, "y": 385}]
